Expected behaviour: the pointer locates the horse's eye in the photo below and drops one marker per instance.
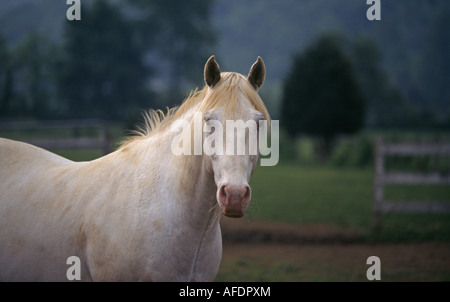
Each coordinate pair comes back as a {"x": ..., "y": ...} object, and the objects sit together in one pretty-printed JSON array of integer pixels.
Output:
[{"x": 213, "y": 129}]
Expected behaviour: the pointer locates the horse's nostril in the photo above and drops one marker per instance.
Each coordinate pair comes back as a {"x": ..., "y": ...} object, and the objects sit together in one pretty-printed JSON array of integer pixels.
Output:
[
  {"x": 246, "y": 193},
  {"x": 223, "y": 194}
]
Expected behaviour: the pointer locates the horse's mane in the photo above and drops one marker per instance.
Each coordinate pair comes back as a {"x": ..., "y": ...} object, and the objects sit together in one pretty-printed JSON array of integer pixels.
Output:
[{"x": 224, "y": 94}]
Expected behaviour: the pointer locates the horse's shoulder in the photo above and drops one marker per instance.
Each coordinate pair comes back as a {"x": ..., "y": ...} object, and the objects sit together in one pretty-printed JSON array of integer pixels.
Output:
[{"x": 24, "y": 152}]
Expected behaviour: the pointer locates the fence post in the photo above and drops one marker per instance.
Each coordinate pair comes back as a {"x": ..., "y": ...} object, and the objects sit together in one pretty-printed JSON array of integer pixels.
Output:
[
  {"x": 378, "y": 182},
  {"x": 106, "y": 140},
  {"x": 382, "y": 178}
]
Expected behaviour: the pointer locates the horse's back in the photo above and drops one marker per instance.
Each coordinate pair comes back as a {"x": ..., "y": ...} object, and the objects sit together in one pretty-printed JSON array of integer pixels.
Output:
[
  {"x": 52, "y": 208},
  {"x": 23, "y": 167},
  {"x": 30, "y": 213},
  {"x": 20, "y": 154}
]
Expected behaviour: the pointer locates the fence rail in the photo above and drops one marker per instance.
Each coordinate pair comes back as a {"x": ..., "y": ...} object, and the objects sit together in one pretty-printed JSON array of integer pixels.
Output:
[
  {"x": 382, "y": 178},
  {"x": 102, "y": 141},
  {"x": 413, "y": 149}
]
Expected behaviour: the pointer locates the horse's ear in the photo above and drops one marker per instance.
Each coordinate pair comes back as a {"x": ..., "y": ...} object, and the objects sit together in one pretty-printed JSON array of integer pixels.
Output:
[
  {"x": 257, "y": 73},
  {"x": 211, "y": 72}
]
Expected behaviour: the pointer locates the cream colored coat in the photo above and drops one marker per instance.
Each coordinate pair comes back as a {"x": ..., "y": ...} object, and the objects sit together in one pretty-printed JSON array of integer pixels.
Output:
[
  {"x": 138, "y": 214},
  {"x": 104, "y": 212}
]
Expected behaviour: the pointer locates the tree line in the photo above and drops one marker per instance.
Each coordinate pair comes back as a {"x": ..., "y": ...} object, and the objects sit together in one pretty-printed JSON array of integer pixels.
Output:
[
  {"x": 112, "y": 64},
  {"x": 109, "y": 63}
]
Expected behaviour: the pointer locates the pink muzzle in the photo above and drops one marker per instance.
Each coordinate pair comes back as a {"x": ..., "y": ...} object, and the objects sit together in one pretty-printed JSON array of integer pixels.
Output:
[{"x": 234, "y": 200}]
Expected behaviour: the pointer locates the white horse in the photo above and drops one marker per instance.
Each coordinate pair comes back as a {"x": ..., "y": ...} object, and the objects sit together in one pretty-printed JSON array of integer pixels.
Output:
[{"x": 139, "y": 213}]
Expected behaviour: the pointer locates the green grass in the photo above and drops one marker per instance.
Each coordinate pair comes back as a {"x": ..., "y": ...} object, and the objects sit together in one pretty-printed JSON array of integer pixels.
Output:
[
  {"x": 296, "y": 194},
  {"x": 80, "y": 155},
  {"x": 343, "y": 197},
  {"x": 417, "y": 192}
]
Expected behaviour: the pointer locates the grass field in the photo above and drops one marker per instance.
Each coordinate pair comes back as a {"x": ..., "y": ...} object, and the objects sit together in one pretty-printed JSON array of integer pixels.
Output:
[{"x": 343, "y": 197}]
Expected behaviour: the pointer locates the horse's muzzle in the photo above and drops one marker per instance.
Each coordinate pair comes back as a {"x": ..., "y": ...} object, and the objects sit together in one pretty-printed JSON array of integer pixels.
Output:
[{"x": 234, "y": 200}]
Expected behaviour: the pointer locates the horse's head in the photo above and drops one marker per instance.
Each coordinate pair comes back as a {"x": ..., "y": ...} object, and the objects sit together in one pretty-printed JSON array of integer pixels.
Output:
[{"x": 231, "y": 137}]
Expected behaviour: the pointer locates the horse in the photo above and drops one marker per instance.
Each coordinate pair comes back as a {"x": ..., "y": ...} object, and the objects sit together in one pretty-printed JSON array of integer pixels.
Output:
[{"x": 140, "y": 213}]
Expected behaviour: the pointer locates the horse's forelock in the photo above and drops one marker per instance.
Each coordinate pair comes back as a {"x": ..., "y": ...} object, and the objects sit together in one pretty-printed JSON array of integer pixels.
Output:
[{"x": 226, "y": 94}]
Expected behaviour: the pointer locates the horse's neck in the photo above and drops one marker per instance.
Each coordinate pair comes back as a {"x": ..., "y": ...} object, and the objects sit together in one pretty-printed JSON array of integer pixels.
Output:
[
  {"x": 195, "y": 184},
  {"x": 164, "y": 199},
  {"x": 188, "y": 183}
]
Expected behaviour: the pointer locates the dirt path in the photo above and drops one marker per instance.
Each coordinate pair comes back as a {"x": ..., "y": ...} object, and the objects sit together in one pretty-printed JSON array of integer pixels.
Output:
[
  {"x": 240, "y": 230},
  {"x": 276, "y": 252}
]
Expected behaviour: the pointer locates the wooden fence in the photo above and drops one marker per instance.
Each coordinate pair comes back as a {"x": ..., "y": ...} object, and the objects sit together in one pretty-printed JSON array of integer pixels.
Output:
[
  {"x": 102, "y": 141},
  {"x": 383, "y": 178}
]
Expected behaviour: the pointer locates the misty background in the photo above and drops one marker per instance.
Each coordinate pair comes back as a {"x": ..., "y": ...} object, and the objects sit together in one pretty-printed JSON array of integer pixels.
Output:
[
  {"x": 330, "y": 71},
  {"x": 410, "y": 41}
]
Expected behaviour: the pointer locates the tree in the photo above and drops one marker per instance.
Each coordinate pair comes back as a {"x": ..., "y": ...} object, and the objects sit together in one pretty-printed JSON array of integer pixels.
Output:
[
  {"x": 320, "y": 94},
  {"x": 33, "y": 86},
  {"x": 182, "y": 33},
  {"x": 386, "y": 106},
  {"x": 101, "y": 73},
  {"x": 5, "y": 78},
  {"x": 26, "y": 83}
]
